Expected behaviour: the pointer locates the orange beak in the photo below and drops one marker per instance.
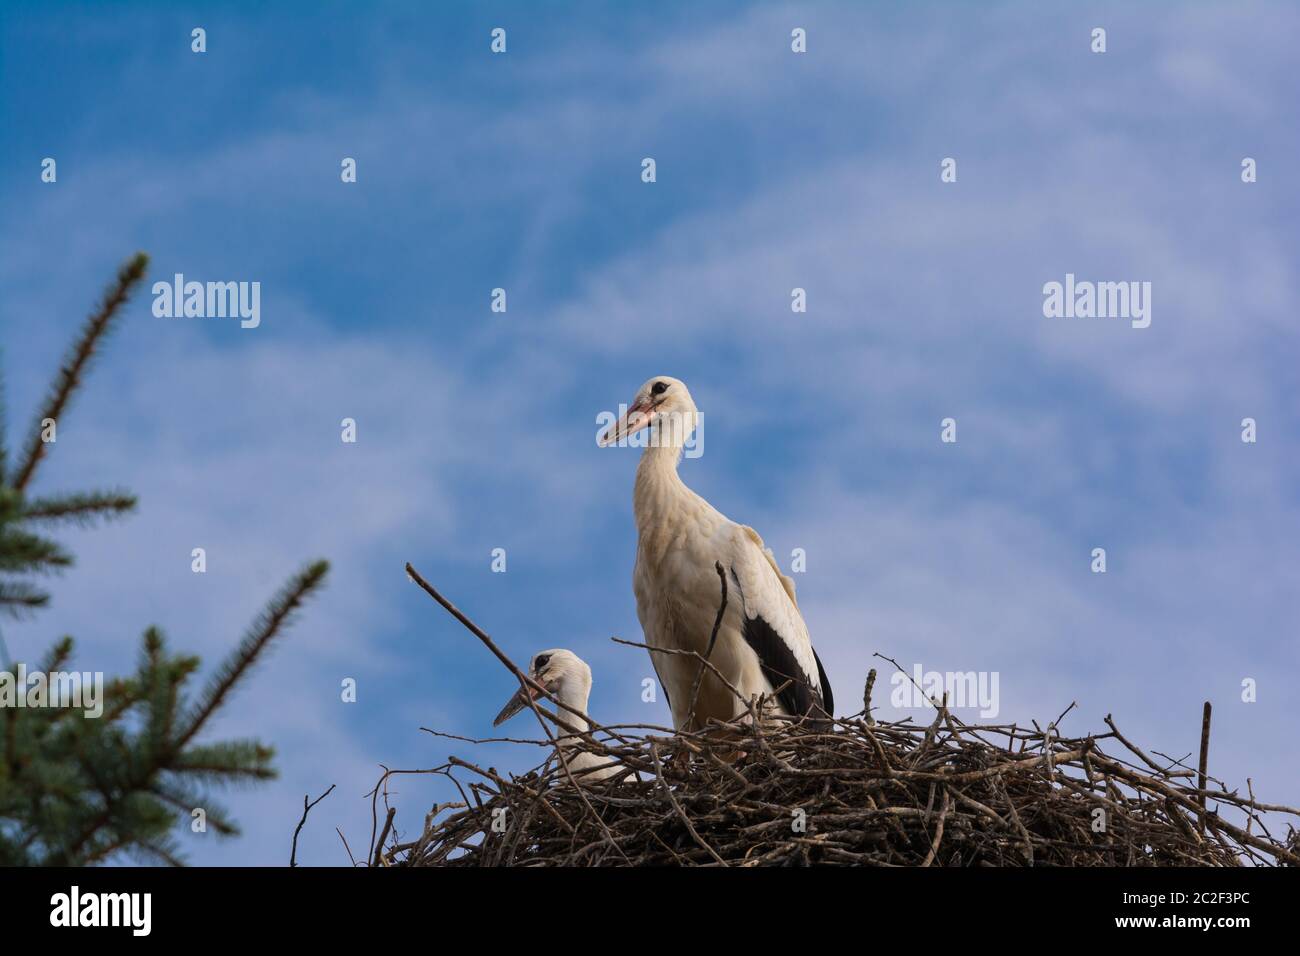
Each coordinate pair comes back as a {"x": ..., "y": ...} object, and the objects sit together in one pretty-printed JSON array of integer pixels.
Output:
[{"x": 633, "y": 420}]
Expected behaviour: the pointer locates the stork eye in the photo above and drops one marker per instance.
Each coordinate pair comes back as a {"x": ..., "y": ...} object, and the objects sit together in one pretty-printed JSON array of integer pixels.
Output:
[
  {"x": 659, "y": 388},
  {"x": 540, "y": 662}
]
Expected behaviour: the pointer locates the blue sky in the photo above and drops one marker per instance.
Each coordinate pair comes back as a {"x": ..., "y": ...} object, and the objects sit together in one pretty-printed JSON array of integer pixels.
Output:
[{"x": 476, "y": 430}]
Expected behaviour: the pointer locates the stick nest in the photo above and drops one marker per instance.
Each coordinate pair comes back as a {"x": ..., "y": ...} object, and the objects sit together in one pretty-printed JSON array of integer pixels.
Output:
[
  {"x": 848, "y": 791},
  {"x": 855, "y": 792}
]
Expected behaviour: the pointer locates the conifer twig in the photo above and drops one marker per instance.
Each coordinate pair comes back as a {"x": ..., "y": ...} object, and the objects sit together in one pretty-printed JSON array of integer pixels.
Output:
[
  {"x": 77, "y": 786},
  {"x": 78, "y": 357},
  {"x": 79, "y": 508},
  {"x": 252, "y": 646}
]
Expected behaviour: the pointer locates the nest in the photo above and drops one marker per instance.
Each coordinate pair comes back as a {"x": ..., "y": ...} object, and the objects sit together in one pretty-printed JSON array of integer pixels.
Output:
[
  {"x": 851, "y": 791},
  {"x": 858, "y": 792}
]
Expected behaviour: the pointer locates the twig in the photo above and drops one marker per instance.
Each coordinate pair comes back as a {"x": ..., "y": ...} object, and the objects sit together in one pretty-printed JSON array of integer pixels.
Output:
[
  {"x": 383, "y": 835},
  {"x": 74, "y": 365},
  {"x": 306, "y": 809},
  {"x": 1205, "y": 756},
  {"x": 938, "y": 831},
  {"x": 345, "y": 846},
  {"x": 866, "y": 696},
  {"x": 527, "y": 682}
]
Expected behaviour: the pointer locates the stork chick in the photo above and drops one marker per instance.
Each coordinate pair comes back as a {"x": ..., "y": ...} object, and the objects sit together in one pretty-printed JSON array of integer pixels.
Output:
[
  {"x": 762, "y": 646},
  {"x": 567, "y": 676}
]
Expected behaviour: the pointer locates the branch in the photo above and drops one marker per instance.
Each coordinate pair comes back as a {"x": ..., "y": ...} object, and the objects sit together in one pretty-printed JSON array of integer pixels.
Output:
[
  {"x": 306, "y": 809},
  {"x": 527, "y": 681},
  {"x": 78, "y": 357},
  {"x": 1205, "y": 756},
  {"x": 252, "y": 646},
  {"x": 478, "y": 632},
  {"x": 81, "y": 509},
  {"x": 379, "y": 847}
]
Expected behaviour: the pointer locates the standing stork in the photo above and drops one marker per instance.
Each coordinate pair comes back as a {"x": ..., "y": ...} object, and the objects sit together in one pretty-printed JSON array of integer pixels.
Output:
[
  {"x": 567, "y": 676},
  {"x": 762, "y": 644}
]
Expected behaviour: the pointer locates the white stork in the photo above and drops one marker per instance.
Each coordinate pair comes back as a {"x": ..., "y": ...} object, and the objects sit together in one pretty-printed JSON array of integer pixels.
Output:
[
  {"x": 567, "y": 676},
  {"x": 762, "y": 642}
]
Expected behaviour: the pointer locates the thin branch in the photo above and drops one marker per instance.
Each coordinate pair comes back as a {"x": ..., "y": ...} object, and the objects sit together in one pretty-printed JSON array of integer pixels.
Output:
[
  {"x": 306, "y": 809},
  {"x": 76, "y": 362},
  {"x": 254, "y": 644},
  {"x": 383, "y": 836},
  {"x": 1205, "y": 757}
]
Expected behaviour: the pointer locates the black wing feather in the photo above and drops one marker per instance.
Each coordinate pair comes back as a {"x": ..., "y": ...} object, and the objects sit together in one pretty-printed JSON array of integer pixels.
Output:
[
  {"x": 779, "y": 666},
  {"x": 828, "y": 699}
]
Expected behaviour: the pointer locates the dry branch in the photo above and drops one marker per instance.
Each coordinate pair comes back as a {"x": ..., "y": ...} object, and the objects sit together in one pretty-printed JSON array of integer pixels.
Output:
[{"x": 306, "y": 809}]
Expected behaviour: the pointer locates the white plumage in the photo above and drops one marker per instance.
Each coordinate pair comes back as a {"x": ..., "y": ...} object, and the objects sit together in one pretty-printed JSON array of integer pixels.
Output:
[
  {"x": 567, "y": 676},
  {"x": 762, "y": 642}
]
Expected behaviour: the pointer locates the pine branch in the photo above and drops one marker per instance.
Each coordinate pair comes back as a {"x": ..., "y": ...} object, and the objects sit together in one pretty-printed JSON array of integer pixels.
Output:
[
  {"x": 81, "y": 509},
  {"x": 130, "y": 817},
  {"x": 20, "y": 551},
  {"x": 120, "y": 695},
  {"x": 226, "y": 763},
  {"x": 78, "y": 358},
  {"x": 11, "y": 505},
  {"x": 59, "y": 655},
  {"x": 78, "y": 791},
  {"x": 187, "y": 801},
  {"x": 153, "y": 852},
  {"x": 254, "y": 643},
  {"x": 161, "y": 681},
  {"x": 18, "y": 598}
]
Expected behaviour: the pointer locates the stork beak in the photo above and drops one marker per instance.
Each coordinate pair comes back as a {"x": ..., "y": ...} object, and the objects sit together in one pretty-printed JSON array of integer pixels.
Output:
[
  {"x": 515, "y": 705},
  {"x": 636, "y": 418}
]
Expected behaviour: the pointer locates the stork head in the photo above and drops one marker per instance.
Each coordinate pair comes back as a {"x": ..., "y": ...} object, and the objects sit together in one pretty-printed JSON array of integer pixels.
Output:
[
  {"x": 664, "y": 405},
  {"x": 562, "y": 672}
]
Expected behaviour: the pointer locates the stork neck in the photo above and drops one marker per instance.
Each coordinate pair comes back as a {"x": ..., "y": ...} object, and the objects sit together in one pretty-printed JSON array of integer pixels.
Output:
[
  {"x": 576, "y": 698},
  {"x": 657, "y": 484}
]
